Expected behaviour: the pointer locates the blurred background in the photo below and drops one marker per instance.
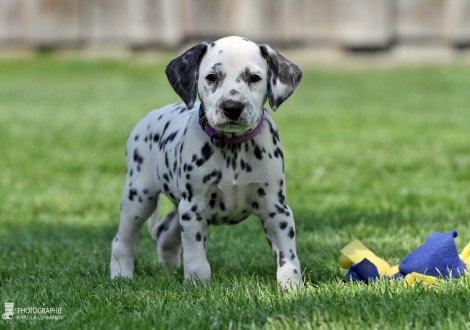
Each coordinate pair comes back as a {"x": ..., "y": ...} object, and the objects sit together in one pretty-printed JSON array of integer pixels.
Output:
[{"x": 384, "y": 26}]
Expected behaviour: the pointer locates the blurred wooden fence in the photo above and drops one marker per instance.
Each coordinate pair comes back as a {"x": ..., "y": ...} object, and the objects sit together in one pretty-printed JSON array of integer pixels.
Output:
[{"x": 138, "y": 24}]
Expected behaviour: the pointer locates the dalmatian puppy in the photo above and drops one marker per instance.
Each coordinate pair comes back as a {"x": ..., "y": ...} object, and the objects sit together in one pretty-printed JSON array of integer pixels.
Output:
[{"x": 218, "y": 160}]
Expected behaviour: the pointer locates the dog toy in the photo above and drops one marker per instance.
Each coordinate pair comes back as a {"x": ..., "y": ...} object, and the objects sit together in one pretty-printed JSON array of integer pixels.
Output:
[{"x": 436, "y": 260}]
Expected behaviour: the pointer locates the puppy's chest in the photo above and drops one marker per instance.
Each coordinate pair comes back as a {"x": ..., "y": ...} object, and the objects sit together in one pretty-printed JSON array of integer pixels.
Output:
[{"x": 228, "y": 184}]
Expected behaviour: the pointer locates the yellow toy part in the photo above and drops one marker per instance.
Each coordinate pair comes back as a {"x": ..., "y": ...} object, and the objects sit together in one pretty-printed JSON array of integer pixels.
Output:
[
  {"x": 413, "y": 278},
  {"x": 355, "y": 252},
  {"x": 465, "y": 256},
  {"x": 392, "y": 271}
]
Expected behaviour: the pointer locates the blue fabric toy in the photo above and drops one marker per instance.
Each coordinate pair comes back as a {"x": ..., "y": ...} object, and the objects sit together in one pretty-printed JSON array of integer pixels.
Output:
[{"x": 436, "y": 259}]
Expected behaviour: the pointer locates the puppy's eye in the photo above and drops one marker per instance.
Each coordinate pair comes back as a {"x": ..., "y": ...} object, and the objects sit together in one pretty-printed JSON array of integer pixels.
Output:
[
  {"x": 211, "y": 78},
  {"x": 254, "y": 78}
]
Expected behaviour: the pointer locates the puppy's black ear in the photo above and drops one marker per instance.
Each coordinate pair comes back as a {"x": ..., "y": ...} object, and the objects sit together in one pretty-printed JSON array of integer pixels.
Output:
[
  {"x": 183, "y": 72},
  {"x": 283, "y": 76}
]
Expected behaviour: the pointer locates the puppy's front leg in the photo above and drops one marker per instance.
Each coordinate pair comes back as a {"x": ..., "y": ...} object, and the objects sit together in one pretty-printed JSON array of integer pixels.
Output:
[
  {"x": 194, "y": 231},
  {"x": 280, "y": 232}
]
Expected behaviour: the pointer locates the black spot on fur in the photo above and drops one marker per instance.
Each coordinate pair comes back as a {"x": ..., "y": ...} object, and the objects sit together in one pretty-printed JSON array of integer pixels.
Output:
[
  {"x": 169, "y": 139},
  {"x": 281, "y": 210},
  {"x": 218, "y": 177},
  {"x": 283, "y": 225},
  {"x": 282, "y": 260},
  {"x": 261, "y": 192},
  {"x": 138, "y": 158},
  {"x": 278, "y": 153},
  {"x": 291, "y": 232},
  {"x": 132, "y": 193},
  {"x": 198, "y": 237},
  {"x": 209, "y": 176},
  {"x": 165, "y": 127},
  {"x": 234, "y": 163},
  {"x": 258, "y": 153},
  {"x": 189, "y": 189},
  {"x": 206, "y": 153},
  {"x": 160, "y": 229},
  {"x": 186, "y": 217},
  {"x": 274, "y": 133},
  {"x": 292, "y": 255}
]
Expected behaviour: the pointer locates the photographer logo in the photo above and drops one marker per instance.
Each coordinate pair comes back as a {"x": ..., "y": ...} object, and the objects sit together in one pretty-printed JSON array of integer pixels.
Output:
[
  {"x": 8, "y": 315},
  {"x": 31, "y": 313}
]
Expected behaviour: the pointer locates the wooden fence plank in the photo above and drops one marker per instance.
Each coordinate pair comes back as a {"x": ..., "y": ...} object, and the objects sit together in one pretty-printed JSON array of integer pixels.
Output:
[
  {"x": 457, "y": 22},
  {"x": 55, "y": 22},
  {"x": 105, "y": 22},
  {"x": 420, "y": 20},
  {"x": 13, "y": 22},
  {"x": 318, "y": 21},
  {"x": 264, "y": 20},
  {"x": 365, "y": 23},
  {"x": 155, "y": 23}
]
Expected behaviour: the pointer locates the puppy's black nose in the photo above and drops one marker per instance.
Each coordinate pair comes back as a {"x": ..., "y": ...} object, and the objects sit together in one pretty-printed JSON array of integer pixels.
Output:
[{"x": 233, "y": 109}]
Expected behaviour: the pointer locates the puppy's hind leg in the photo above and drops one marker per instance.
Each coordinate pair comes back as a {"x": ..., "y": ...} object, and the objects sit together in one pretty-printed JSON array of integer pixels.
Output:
[
  {"x": 167, "y": 236},
  {"x": 136, "y": 207}
]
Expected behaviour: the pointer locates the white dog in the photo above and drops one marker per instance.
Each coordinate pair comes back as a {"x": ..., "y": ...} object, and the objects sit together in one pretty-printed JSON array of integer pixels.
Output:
[{"x": 218, "y": 160}]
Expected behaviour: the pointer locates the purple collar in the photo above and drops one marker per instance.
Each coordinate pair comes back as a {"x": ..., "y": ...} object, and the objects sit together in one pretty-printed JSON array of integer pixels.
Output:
[{"x": 221, "y": 140}]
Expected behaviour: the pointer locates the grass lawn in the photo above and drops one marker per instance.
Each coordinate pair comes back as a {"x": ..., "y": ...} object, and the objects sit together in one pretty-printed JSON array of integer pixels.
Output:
[{"x": 382, "y": 155}]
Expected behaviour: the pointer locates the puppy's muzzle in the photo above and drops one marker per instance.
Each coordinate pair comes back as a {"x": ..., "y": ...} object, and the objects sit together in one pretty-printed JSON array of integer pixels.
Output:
[{"x": 232, "y": 109}]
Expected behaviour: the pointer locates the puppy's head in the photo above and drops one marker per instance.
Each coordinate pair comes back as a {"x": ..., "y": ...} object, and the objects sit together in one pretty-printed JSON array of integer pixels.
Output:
[{"x": 233, "y": 77}]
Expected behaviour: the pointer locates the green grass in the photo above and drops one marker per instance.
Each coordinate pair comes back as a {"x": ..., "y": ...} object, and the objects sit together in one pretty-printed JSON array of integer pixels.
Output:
[{"x": 382, "y": 155}]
